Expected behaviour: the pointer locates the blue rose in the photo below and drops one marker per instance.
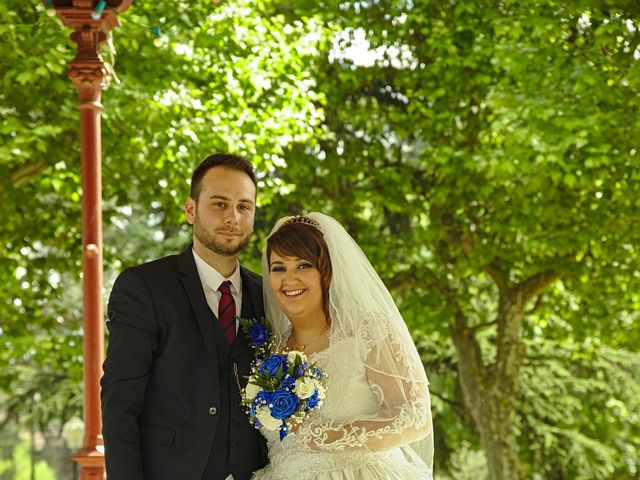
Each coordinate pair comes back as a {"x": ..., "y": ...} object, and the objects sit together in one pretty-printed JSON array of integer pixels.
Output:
[
  {"x": 312, "y": 401},
  {"x": 283, "y": 404},
  {"x": 258, "y": 334},
  {"x": 273, "y": 363},
  {"x": 288, "y": 382},
  {"x": 262, "y": 398}
]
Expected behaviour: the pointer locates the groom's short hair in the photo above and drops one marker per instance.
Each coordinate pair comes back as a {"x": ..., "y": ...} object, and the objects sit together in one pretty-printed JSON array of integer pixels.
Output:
[{"x": 220, "y": 160}]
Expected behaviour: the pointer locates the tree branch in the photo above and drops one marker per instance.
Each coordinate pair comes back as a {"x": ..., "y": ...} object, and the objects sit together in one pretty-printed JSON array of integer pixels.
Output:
[
  {"x": 453, "y": 403},
  {"x": 480, "y": 326},
  {"x": 499, "y": 274},
  {"x": 535, "y": 284},
  {"x": 406, "y": 280},
  {"x": 24, "y": 173},
  {"x": 536, "y": 306}
]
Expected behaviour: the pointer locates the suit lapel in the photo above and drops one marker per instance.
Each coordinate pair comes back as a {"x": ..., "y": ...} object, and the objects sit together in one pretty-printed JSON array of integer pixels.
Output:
[
  {"x": 251, "y": 296},
  {"x": 251, "y": 301},
  {"x": 193, "y": 286}
]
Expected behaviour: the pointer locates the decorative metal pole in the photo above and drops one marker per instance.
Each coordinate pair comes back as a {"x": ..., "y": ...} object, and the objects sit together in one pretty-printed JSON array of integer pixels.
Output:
[{"x": 91, "y": 22}]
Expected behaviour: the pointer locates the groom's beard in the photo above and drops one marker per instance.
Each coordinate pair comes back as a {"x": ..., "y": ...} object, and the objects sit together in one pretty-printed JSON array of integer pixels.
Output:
[{"x": 210, "y": 242}]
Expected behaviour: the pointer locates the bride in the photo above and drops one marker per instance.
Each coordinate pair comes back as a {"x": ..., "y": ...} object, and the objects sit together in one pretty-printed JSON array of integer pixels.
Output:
[{"x": 324, "y": 298}]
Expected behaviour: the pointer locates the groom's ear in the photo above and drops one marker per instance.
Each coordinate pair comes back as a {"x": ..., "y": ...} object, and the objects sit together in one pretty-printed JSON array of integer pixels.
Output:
[{"x": 190, "y": 210}]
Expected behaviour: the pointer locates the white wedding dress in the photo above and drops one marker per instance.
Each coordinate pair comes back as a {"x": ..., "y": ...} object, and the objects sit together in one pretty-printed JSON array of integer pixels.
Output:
[
  {"x": 349, "y": 396},
  {"x": 375, "y": 422}
]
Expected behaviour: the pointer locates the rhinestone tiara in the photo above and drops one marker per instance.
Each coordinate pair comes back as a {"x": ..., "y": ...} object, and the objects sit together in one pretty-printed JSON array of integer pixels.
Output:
[{"x": 304, "y": 220}]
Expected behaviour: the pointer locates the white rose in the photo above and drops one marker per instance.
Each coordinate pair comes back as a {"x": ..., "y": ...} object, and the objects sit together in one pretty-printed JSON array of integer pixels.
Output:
[
  {"x": 291, "y": 357},
  {"x": 264, "y": 417},
  {"x": 305, "y": 387},
  {"x": 251, "y": 390}
]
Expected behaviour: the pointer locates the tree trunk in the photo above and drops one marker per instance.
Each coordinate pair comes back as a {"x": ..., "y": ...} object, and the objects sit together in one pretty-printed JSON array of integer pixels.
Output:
[
  {"x": 497, "y": 434},
  {"x": 493, "y": 414},
  {"x": 490, "y": 391}
]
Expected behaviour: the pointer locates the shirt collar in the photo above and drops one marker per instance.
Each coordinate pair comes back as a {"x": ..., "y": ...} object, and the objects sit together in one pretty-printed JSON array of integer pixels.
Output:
[{"x": 211, "y": 278}]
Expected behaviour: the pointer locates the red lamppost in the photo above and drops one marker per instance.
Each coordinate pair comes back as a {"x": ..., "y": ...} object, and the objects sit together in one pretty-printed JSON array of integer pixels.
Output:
[{"x": 91, "y": 21}]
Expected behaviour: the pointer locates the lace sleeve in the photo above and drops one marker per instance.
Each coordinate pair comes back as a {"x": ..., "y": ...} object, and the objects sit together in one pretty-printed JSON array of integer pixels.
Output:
[{"x": 398, "y": 387}]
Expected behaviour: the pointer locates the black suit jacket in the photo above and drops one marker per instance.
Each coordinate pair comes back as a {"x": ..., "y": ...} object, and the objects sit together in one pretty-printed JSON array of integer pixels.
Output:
[{"x": 161, "y": 390}]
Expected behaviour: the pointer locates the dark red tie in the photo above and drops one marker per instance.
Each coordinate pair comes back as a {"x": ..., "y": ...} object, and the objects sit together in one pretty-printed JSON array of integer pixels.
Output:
[{"x": 227, "y": 312}]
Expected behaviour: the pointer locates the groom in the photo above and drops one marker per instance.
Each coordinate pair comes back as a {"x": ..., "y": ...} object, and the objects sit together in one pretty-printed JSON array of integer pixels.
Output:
[{"x": 170, "y": 400}]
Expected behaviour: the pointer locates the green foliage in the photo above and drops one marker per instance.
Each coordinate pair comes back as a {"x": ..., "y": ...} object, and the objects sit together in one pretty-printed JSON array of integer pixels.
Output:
[
  {"x": 579, "y": 405},
  {"x": 21, "y": 466},
  {"x": 467, "y": 464}
]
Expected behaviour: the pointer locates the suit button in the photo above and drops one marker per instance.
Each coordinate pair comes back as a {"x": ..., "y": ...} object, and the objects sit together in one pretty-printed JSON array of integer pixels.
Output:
[
  {"x": 213, "y": 411},
  {"x": 234, "y": 444}
]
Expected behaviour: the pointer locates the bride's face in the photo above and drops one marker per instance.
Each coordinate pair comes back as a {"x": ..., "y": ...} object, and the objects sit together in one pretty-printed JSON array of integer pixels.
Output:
[{"x": 297, "y": 287}]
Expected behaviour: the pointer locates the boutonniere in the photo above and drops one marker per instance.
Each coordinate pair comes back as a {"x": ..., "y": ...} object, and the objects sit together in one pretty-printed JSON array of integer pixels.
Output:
[{"x": 259, "y": 334}]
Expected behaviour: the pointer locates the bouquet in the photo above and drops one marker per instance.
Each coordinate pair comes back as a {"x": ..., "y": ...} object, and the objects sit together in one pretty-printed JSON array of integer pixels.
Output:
[{"x": 283, "y": 387}]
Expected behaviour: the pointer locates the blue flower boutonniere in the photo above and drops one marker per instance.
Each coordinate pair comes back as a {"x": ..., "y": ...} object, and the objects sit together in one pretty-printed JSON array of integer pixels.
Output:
[
  {"x": 283, "y": 387},
  {"x": 259, "y": 334}
]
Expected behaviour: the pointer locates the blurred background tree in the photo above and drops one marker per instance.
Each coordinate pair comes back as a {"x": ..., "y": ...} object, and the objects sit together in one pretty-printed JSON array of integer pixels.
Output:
[{"x": 483, "y": 154}]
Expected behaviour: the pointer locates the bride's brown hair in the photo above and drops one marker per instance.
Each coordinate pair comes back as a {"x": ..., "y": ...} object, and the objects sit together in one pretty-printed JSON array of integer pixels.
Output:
[{"x": 303, "y": 240}]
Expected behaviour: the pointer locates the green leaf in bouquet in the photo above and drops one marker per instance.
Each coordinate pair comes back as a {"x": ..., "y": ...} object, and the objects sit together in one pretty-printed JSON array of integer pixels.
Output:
[
  {"x": 263, "y": 383},
  {"x": 279, "y": 374}
]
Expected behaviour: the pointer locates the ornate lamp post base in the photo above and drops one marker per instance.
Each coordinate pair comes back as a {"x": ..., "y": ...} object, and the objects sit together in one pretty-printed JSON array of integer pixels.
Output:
[{"x": 91, "y": 464}]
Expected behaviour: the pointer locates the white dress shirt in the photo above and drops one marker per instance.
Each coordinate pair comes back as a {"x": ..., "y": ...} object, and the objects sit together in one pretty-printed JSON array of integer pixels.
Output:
[{"x": 212, "y": 279}]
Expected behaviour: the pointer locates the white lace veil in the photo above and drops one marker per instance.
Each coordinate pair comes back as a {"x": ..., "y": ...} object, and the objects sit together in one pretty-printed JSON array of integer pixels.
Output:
[{"x": 362, "y": 311}]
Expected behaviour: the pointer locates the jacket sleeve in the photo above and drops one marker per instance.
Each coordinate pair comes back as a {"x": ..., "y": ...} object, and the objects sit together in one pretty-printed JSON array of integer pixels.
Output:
[{"x": 133, "y": 334}]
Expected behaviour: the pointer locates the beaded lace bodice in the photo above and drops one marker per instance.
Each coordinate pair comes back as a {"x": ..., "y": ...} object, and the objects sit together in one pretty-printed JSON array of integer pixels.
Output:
[{"x": 349, "y": 396}]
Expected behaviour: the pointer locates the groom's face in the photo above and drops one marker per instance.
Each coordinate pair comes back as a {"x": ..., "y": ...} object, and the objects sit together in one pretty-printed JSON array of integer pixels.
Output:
[{"x": 222, "y": 218}]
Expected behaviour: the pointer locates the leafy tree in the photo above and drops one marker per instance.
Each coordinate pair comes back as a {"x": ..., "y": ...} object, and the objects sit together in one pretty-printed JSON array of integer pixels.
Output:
[{"x": 493, "y": 148}]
